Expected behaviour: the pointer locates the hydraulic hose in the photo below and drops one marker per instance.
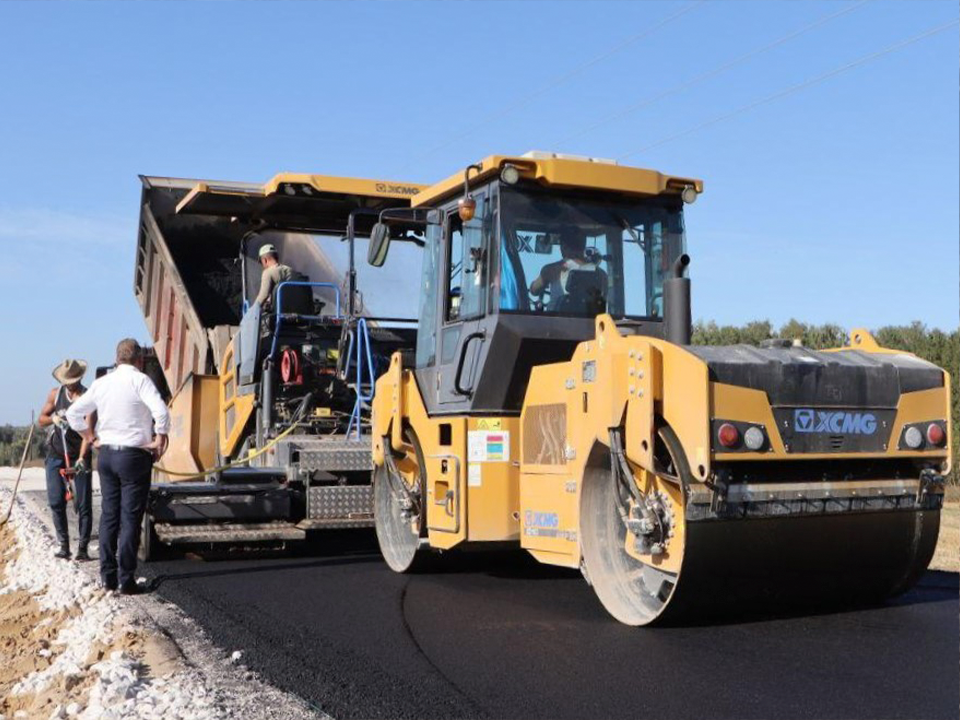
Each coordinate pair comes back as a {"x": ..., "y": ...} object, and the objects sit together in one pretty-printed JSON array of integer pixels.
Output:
[{"x": 301, "y": 411}]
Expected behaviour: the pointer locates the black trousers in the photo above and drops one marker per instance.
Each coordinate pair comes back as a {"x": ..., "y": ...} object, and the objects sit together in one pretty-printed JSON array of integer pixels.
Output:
[
  {"x": 56, "y": 497},
  {"x": 124, "y": 486}
]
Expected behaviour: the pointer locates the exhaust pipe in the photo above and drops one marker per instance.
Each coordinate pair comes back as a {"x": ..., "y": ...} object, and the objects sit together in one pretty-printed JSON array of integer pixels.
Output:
[{"x": 676, "y": 304}]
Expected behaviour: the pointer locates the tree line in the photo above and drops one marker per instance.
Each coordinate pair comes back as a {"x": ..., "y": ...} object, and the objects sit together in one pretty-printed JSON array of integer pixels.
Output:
[{"x": 12, "y": 441}]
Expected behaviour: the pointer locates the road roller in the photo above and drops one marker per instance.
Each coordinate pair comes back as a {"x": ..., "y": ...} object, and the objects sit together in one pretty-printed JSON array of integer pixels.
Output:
[{"x": 554, "y": 401}]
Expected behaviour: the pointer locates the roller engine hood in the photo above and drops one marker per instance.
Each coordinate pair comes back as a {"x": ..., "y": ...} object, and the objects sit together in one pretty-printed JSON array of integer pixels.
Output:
[{"x": 804, "y": 377}]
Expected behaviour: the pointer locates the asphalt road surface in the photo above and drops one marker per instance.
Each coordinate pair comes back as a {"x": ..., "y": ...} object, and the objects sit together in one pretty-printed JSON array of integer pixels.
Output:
[{"x": 503, "y": 637}]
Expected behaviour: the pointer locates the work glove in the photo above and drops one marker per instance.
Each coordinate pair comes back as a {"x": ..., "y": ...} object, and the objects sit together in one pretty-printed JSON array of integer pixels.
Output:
[
  {"x": 59, "y": 419},
  {"x": 79, "y": 467}
]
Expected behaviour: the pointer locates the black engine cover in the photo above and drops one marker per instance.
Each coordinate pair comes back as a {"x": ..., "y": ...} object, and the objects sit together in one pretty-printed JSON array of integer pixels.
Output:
[{"x": 799, "y": 377}]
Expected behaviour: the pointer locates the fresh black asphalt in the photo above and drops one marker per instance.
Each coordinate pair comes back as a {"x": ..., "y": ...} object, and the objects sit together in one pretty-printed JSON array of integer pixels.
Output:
[{"x": 500, "y": 636}]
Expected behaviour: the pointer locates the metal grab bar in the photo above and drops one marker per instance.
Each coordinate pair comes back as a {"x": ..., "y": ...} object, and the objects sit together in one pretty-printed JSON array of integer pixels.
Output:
[
  {"x": 362, "y": 335},
  {"x": 279, "y": 310}
]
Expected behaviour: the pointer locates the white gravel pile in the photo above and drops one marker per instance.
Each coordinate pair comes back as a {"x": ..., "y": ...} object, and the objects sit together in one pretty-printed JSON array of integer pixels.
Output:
[
  {"x": 120, "y": 689},
  {"x": 120, "y": 692}
]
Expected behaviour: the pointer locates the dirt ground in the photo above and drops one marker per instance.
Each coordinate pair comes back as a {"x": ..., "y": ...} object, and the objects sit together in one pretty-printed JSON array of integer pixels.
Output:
[
  {"x": 28, "y": 644},
  {"x": 947, "y": 556}
]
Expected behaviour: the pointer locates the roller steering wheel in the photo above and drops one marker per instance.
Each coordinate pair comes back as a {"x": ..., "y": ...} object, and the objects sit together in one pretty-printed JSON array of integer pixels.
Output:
[{"x": 539, "y": 304}]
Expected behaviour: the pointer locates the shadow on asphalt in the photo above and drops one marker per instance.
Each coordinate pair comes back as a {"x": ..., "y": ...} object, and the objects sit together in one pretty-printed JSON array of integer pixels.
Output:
[
  {"x": 161, "y": 577},
  {"x": 332, "y": 549}
]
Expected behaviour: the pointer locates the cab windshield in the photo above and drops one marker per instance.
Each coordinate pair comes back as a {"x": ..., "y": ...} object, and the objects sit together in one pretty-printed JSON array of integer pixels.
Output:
[{"x": 571, "y": 255}]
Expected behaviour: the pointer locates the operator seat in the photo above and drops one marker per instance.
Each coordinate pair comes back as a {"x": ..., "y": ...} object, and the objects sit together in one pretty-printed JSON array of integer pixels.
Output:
[
  {"x": 585, "y": 293},
  {"x": 297, "y": 299}
]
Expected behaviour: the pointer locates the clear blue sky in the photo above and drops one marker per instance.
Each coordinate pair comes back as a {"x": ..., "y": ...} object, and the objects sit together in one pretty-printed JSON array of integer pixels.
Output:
[{"x": 836, "y": 203}]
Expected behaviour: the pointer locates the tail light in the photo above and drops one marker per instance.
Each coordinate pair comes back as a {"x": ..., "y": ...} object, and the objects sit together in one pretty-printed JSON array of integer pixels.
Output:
[
  {"x": 728, "y": 435},
  {"x": 935, "y": 434}
]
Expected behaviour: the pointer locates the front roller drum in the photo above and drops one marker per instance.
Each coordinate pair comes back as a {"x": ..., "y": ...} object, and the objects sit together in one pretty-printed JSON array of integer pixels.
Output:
[
  {"x": 725, "y": 566},
  {"x": 396, "y": 486}
]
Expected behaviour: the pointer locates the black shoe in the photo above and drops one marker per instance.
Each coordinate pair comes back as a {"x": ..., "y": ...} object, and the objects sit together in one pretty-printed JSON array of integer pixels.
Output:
[
  {"x": 63, "y": 553},
  {"x": 132, "y": 589},
  {"x": 109, "y": 586},
  {"x": 82, "y": 555}
]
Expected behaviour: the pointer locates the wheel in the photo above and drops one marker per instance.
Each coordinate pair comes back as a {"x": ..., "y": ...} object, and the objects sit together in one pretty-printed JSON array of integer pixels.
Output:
[
  {"x": 399, "y": 536},
  {"x": 634, "y": 586},
  {"x": 149, "y": 542}
]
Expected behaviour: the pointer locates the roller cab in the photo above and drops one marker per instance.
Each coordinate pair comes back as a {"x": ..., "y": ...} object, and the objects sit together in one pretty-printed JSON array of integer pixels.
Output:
[{"x": 554, "y": 401}]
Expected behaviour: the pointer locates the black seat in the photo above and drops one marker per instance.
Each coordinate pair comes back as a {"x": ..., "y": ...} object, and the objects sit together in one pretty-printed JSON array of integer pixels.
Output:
[
  {"x": 297, "y": 299},
  {"x": 585, "y": 294}
]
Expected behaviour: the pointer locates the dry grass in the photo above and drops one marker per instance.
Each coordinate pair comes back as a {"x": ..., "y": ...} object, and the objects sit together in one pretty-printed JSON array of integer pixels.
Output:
[{"x": 947, "y": 556}]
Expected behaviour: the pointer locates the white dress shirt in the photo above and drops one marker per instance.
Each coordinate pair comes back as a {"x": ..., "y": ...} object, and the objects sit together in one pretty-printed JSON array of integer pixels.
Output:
[{"x": 128, "y": 406}]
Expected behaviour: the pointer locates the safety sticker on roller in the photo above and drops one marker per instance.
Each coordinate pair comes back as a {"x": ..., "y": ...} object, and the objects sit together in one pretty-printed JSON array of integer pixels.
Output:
[{"x": 485, "y": 446}]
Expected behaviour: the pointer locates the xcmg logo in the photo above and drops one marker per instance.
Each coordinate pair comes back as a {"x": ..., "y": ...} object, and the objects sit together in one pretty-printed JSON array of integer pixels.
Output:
[{"x": 839, "y": 422}]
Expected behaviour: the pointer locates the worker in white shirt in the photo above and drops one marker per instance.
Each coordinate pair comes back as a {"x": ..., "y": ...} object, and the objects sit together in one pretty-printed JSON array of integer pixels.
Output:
[{"x": 131, "y": 432}]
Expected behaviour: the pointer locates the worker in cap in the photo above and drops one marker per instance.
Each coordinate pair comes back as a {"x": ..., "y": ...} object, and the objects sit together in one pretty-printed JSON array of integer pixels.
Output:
[
  {"x": 68, "y": 459},
  {"x": 297, "y": 299},
  {"x": 274, "y": 273}
]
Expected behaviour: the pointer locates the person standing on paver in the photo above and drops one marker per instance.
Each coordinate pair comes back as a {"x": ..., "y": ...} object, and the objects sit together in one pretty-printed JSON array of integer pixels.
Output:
[
  {"x": 63, "y": 443},
  {"x": 131, "y": 432}
]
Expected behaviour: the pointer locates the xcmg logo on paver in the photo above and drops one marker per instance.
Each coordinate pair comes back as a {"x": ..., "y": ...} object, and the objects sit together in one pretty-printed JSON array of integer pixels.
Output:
[{"x": 838, "y": 422}]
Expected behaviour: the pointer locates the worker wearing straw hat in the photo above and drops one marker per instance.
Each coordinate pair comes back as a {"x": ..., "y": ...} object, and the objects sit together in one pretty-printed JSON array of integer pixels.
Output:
[{"x": 68, "y": 461}]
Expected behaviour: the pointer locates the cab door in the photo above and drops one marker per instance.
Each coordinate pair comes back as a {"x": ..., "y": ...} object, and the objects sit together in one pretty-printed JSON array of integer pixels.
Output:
[{"x": 461, "y": 337}]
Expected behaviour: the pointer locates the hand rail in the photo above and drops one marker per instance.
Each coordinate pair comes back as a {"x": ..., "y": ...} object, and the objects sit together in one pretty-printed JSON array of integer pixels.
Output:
[
  {"x": 279, "y": 310},
  {"x": 362, "y": 344}
]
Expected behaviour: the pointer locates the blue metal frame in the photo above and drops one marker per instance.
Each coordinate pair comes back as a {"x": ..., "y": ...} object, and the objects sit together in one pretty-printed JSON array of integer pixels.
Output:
[
  {"x": 362, "y": 335},
  {"x": 279, "y": 311}
]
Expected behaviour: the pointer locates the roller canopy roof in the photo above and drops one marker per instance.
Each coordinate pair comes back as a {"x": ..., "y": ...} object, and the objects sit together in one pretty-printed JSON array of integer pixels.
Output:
[{"x": 564, "y": 171}]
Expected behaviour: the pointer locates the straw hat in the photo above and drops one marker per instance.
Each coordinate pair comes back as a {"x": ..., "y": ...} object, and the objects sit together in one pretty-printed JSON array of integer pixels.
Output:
[{"x": 70, "y": 371}]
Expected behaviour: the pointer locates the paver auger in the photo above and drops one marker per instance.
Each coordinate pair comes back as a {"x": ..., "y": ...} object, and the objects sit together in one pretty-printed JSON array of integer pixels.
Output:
[{"x": 555, "y": 400}]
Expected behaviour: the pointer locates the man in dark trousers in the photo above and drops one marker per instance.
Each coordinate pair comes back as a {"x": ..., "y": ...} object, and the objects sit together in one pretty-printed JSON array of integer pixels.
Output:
[
  {"x": 131, "y": 432},
  {"x": 78, "y": 470}
]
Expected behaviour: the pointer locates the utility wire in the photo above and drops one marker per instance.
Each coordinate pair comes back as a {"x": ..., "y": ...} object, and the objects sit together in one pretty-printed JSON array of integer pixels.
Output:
[
  {"x": 796, "y": 88},
  {"x": 709, "y": 74},
  {"x": 526, "y": 99}
]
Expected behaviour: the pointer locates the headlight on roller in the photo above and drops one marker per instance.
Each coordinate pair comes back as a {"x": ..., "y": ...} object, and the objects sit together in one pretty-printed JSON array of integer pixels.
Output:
[
  {"x": 754, "y": 438},
  {"x": 913, "y": 438}
]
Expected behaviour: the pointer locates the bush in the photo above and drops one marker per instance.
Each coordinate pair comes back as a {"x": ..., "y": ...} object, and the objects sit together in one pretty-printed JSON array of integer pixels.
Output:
[{"x": 12, "y": 441}]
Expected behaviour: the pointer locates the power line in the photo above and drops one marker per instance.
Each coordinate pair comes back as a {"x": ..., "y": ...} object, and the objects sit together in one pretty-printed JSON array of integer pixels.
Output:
[
  {"x": 796, "y": 88},
  {"x": 709, "y": 74},
  {"x": 526, "y": 99}
]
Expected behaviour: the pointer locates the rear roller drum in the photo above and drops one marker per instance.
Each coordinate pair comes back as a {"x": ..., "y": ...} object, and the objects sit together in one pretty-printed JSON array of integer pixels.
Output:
[{"x": 397, "y": 493}]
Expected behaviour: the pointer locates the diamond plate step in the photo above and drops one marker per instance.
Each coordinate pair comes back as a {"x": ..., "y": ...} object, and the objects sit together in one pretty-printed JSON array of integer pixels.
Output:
[
  {"x": 340, "y": 502},
  {"x": 330, "y": 455},
  {"x": 228, "y": 533}
]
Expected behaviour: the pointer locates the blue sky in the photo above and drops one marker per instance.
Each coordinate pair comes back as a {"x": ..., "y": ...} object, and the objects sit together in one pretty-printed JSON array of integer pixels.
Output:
[{"x": 836, "y": 203}]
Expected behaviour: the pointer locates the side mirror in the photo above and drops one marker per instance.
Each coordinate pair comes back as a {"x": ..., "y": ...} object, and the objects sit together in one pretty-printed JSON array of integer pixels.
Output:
[{"x": 379, "y": 243}]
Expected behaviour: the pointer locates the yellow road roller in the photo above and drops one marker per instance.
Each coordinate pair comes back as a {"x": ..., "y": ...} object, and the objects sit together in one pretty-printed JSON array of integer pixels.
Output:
[{"x": 554, "y": 400}]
